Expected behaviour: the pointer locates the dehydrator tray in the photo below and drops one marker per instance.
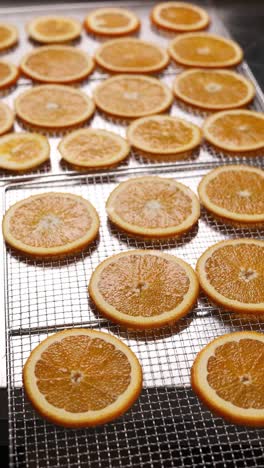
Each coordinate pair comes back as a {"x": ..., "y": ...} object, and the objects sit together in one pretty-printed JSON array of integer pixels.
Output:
[
  {"x": 168, "y": 426},
  {"x": 206, "y": 153}
]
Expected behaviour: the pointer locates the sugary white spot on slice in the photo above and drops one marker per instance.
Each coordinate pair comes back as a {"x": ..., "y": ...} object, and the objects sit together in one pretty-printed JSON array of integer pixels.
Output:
[
  {"x": 203, "y": 50},
  {"x": 244, "y": 193},
  {"x": 51, "y": 105},
  {"x": 213, "y": 87}
]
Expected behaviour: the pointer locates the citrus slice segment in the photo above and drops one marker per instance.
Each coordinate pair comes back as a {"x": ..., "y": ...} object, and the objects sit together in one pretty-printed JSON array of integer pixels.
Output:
[
  {"x": 53, "y": 29},
  {"x": 7, "y": 118},
  {"x": 82, "y": 377},
  {"x": 8, "y": 36},
  {"x": 132, "y": 96},
  {"x": 234, "y": 193},
  {"x": 162, "y": 134},
  {"x": 111, "y": 22},
  {"x": 50, "y": 224},
  {"x": 23, "y": 151},
  {"x": 54, "y": 107},
  {"x": 8, "y": 74},
  {"x": 235, "y": 130},
  {"x": 228, "y": 376},
  {"x": 130, "y": 55},
  {"x": 232, "y": 274},
  {"x": 205, "y": 50},
  {"x": 93, "y": 148},
  {"x": 144, "y": 289},
  {"x": 179, "y": 16},
  {"x": 213, "y": 89},
  {"x": 57, "y": 64},
  {"x": 153, "y": 207}
]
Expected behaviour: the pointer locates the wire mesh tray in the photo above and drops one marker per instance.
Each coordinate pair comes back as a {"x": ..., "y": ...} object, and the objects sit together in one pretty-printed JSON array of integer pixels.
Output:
[
  {"x": 20, "y": 16},
  {"x": 168, "y": 426}
]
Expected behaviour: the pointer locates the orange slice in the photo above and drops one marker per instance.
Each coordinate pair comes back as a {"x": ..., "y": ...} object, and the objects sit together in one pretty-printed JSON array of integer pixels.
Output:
[
  {"x": 153, "y": 207},
  {"x": 162, "y": 134},
  {"x": 205, "y": 50},
  {"x": 93, "y": 148},
  {"x": 130, "y": 55},
  {"x": 7, "y": 118},
  {"x": 144, "y": 289},
  {"x": 57, "y": 64},
  {"x": 235, "y": 194},
  {"x": 23, "y": 151},
  {"x": 228, "y": 376},
  {"x": 232, "y": 274},
  {"x": 213, "y": 89},
  {"x": 54, "y": 107},
  {"x": 111, "y": 22},
  {"x": 8, "y": 74},
  {"x": 179, "y": 16},
  {"x": 132, "y": 96},
  {"x": 235, "y": 130},
  {"x": 8, "y": 36},
  {"x": 51, "y": 224},
  {"x": 82, "y": 377},
  {"x": 53, "y": 29}
]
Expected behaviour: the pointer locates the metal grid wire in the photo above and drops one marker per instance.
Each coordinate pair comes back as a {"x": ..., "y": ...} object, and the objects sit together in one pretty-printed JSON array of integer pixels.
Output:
[
  {"x": 88, "y": 43},
  {"x": 167, "y": 426}
]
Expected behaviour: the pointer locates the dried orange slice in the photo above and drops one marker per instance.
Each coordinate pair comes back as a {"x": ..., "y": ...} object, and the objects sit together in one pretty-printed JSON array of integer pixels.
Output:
[
  {"x": 8, "y": 74},
  {"x": 53, "y": 29},
  {"x": 235, "y": 194},
  {"x": 130, "y": 55},
  {"x": 235, "y": 130},
  {"x": 93, "y": 148},
  {"x": 213, "y": 89},
  {"x": 54, "y": 107},
  {"x": 228, "y": 376},
  {"x": 205, "y": 50},
  {"x": 153, "y": 207},
  {"x": 57, "y": 64},
  {"x": 8, "y": 36},
  {"x": 51, "y": 224},
  {"x": 144, "y": 289},
  {"x": 179, "y": 16},
  {"x": 23, "y": 151},
  {"x": 7, "y": 118},
  {"x": 162, "y": 134},
  {"x": 111, "y": 22},
  {"x": 82, "y": 377},
  {"x": 132, "y": 96},
  {"x": 232, "y": 274}
]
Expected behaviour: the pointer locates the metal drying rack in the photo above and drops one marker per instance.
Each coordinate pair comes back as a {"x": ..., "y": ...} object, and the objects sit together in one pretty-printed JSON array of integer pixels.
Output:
[{"x": 167, "y": 426}]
